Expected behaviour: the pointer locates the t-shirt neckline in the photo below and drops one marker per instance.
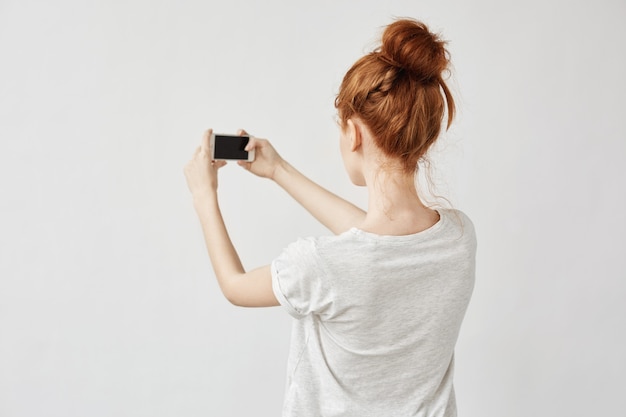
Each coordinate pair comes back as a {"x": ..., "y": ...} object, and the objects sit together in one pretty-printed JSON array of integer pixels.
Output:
[{"x": 402, "y": 238}]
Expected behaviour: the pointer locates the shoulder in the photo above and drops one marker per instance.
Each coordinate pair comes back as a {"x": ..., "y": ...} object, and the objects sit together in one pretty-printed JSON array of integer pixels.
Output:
[
  {"x": 458, "y": 225},
  {"x": 299, "y": 278},
  {"x": 302, "y": 244},
  {"x": 315, "y": 245},
  {"x": 299, "y": 256},
  {"x": 311, "y": 256},
  {"x": 455, "y": 217}
]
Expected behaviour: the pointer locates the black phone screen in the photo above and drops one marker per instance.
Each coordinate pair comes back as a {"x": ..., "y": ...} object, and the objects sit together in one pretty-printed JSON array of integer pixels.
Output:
[{"x": 230, "y": 147}]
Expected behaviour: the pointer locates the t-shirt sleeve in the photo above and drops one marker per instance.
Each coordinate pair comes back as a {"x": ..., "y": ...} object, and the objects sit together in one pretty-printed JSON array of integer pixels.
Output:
[{"x": 298, "y": 280}]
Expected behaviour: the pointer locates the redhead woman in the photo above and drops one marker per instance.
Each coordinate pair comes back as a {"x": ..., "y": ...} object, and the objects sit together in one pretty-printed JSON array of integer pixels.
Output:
[{"x": 376, "y": 307}]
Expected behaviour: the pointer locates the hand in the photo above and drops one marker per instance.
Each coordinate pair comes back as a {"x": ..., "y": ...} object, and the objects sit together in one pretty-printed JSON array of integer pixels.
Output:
[
  {"x": 200, "y": 171},
  {"x": 266, "y": 159}
]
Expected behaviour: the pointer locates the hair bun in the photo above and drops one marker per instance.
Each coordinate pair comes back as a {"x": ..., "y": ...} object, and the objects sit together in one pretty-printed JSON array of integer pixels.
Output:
[{"x": 410, "y": 45}]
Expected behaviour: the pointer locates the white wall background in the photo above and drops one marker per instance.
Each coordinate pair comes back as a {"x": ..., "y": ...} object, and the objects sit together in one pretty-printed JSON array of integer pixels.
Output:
[{"x": 108, "y": 305}]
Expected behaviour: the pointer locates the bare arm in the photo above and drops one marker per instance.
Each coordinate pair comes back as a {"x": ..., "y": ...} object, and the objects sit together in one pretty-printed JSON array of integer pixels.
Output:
[
  {"x": 250, "y": 289},
  {"x": 334, "y": 212},
  {"x": 337, "y": 214}
]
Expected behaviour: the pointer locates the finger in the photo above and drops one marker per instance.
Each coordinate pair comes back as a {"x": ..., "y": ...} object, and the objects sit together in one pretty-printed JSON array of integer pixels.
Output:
[
  {"x": 206, "y": 140},
  {"x": 219, "y": 164},
  {"x": 242, "y": 132}
]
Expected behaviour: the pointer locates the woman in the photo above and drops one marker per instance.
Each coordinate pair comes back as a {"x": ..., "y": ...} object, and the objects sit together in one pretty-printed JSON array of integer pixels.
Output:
[{"x": 377, "y": 306}]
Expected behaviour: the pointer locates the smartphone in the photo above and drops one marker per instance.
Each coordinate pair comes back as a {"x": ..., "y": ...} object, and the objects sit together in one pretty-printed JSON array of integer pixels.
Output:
[{"x": 230, "y": 147}]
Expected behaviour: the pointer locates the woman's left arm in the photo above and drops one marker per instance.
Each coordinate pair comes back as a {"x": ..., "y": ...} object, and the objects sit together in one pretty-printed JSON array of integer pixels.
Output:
[{"x": 248, "y": 289}]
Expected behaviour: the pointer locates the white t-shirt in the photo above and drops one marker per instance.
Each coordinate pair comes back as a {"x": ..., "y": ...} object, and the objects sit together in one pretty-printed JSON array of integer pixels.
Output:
[{"x": 376, "y": 319}]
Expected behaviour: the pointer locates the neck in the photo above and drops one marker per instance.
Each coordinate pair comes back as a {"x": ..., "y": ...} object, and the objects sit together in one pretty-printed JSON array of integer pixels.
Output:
[{"x": 394, "y": 206}]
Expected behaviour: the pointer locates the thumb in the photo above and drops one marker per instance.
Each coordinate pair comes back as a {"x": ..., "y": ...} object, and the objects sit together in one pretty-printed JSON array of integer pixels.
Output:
[
  {"x": 252, "y": 143},
  {"x": 219, "y": 164}
]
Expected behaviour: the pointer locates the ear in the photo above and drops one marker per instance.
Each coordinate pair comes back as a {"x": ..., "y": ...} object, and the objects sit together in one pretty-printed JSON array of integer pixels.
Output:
[{"x": 353, "y": 129}]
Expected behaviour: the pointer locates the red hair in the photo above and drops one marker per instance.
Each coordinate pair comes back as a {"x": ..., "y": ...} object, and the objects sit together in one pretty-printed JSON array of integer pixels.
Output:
[{"x": 399, "y": 93}]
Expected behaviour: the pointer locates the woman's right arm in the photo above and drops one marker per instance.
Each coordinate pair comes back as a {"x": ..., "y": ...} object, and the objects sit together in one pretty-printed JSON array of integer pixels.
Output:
[{"x": 337, "y": 214}]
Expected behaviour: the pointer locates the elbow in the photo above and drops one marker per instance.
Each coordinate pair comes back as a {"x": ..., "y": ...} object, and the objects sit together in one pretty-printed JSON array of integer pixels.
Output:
[
  {"x": 234, "y": 300},
  {"x": 232, "y": 295}
]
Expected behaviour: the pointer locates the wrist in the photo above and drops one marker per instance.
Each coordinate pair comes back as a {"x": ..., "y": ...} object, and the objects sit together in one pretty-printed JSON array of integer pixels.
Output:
[
  {"x": 281, "y": 171},
  {"x": 205, "y": 198}
]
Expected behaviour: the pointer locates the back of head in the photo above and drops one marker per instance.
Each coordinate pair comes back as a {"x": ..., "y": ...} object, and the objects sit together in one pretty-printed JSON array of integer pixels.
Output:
[{"x": 398, "y": 91}]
